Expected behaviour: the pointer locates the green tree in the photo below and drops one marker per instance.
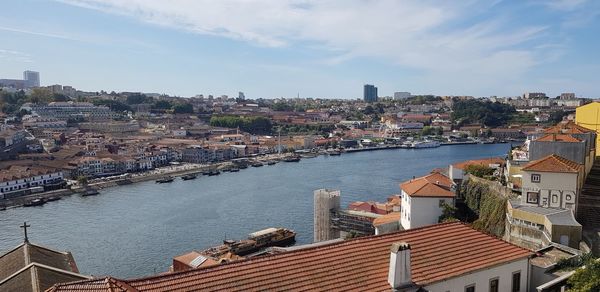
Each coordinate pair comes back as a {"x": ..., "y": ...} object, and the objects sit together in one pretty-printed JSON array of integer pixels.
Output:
[
  {"x": 82, "y": 180},
  {"x": 586, "y": 278},
  {"x": 137, "y": 98},
  {"x": 474, "y": 111},
  {"x": 479, "y": 170},
  {"x": 185, "y": 108},
  {"x": 162, "y": 104},
  {"x": 448, "y": 213}
]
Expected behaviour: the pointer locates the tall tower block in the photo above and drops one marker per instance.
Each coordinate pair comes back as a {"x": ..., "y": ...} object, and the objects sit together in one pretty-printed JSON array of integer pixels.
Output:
[{"x": 324, "y": 201}]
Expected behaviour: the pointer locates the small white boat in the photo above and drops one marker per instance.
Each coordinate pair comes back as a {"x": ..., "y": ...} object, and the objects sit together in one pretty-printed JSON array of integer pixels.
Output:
[{"x": 426, "y": 144}]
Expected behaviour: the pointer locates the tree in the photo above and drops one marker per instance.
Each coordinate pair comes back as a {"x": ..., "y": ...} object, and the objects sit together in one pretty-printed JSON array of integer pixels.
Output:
[
  {"x": 59, "y": 97},
  {"x": 185, "y": 108},
  {"x": 82, "y": 180},
  {"x": 448, "y": 213},
  {"x": 137, "y": 98},
  {"x": 586, "y": 278},
  {"x": 491, "y": 114},
  {"x": 479, "y": 170},
  {"x": 162, "y": 104},
  {"x": 40, "y": 95}
]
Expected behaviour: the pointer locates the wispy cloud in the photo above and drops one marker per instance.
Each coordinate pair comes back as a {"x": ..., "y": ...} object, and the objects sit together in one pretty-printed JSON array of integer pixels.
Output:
[
  {"x": 10, "y": 55},
  {"x": 457, "y": 41},
  {"x": 36, "y": 33}
]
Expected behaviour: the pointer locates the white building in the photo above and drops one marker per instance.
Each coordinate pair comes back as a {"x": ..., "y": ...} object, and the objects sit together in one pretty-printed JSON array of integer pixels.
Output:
[
  {"x": 423, "y": 199},
  {"x": 552, "y": 182},
  {"x": 401, "y": 95},
  {"x": 16, "y": 180}
]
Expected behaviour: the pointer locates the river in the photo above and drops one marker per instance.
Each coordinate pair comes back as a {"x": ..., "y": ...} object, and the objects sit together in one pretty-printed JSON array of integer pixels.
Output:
[{"x": 135, "y": 230}]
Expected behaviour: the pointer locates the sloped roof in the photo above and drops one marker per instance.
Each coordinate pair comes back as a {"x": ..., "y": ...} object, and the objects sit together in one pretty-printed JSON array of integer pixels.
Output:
[
  {"x": 432, "y": 185},
  {"x": 30, "y": 267},
  {"x": 438, "y": 252},
  {"x": 553, "y": 163},
  {"x": 387, "y": 218},
  {"x": 567, "y": 128},
  {"x": 483, "y": 162},
  {"x": 558, "y": 138}
]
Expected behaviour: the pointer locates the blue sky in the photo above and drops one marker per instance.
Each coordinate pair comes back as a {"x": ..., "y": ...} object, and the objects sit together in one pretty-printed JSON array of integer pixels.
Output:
[{"x": 317, "y": 48}]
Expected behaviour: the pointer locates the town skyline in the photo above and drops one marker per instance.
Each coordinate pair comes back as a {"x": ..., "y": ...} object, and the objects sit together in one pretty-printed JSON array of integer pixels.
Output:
[{"x": 315, "y": 50}]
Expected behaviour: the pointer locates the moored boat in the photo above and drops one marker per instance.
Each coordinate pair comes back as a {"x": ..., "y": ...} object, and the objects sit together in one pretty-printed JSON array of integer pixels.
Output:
[
  {"x": 257, "y": 164},
  {"x": 34, "y": 202},
  {"x": 214, "y": 172},
  {"x": 166, "y": 179},
  {"x": 234, "y": 169},
  {"x": 53, "y": 198},
  {"x": 425, "y": 144},
  {"x": 255, "y": 242},
  {"x": 189, "y": 176},
  {"x": 90, "y": 192},
  {"x": 292, "y": 159}
]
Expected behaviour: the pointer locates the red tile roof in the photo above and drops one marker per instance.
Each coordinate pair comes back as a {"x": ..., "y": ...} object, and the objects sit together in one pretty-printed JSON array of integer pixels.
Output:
[
  {"x": 553, "y": 163},
  {"x": 567, "y": 128},
  {"x": 391, "y": 217},
  {"x": 432, "y": 185},
  {"x": 483, "y": 162},
  {"x": 558, "y": 138},
  {"x": 438, "y": 252}
]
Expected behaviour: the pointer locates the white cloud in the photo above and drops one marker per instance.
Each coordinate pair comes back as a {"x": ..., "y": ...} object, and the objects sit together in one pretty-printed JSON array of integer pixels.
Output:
[
  {"x": 10, "y": 55},
  {"x": 425, "y": 35}
]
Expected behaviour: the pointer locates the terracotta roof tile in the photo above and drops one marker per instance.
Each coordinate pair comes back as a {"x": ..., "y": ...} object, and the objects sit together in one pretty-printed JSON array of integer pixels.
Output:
[
  {"x": 558, "y": 138},
  {"x": 432, "y": 185},
  {"x": 567, "y": 128},
  {"x": 438, "y": 252},
  {"x": 391, "y": 217},
  {"x": 483, "y": 162},
  {"x": 553, "y": 163}
]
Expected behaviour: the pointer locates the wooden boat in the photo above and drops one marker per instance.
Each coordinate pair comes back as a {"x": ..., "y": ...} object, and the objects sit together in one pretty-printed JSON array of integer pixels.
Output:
[
  {"x": 189, "y": 176},
  {"x": 34, "y": 202},
  {"x": 166, "y": 179}
]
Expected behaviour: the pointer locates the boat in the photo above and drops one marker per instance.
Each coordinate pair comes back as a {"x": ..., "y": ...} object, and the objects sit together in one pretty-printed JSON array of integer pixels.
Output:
[
  {"x": 257, "y": 164},
  {"x": 292, "y": 159},
  {"x": 214, "y": 172},
  {"x": 34, "y": 202},
  {"x": 166, "y": 179},
  {"x": 189, "y": 176},
  {"x": 53, "y": 198},
  {"x": 205, "y": 172},
  {"x": 334, "y": 152},
  {"x": 243, "y": 166},
  {"x": 255, "y": 242},
  {"x": 271, "y": 162},
  {"x": 234, "y": 169},
  {"x": 90, "y": 192},
  {"x": 425, "y": 144},
  {"x": 2, "y": 208}
]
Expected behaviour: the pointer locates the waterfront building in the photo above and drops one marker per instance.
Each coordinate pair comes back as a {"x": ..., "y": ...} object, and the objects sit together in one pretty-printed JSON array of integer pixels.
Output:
[
  {"x": 22, "y": 180},
  {"x": 325, "y": 201},
  {"x": 34, "y": 268},
  {"x": 423, "y": 199},
  {"x": 31, "y": 78},
  {"x": 370, "y": 93},
  {"x": 437, "y": 258}
]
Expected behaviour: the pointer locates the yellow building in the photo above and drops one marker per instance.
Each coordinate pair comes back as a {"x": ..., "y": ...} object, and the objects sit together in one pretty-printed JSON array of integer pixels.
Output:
[{"x": 588, "y": 116}]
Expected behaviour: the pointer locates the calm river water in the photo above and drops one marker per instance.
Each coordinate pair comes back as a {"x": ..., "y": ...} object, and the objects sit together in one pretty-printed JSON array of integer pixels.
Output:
[{"x": 135, "y": 230}]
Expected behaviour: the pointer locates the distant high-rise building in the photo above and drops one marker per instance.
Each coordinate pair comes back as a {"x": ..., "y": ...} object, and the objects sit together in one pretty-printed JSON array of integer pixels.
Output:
[
  {"x": 370, "y": 93},
  {"x": 241, "y": 95},
  {"x": 401, "y": 95},
  {"x": 31, "y": 78},
  {"x": 567, "y": 95}
]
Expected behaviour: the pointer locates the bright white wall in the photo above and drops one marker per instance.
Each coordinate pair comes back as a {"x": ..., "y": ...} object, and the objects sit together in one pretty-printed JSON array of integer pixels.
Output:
[
  {"x": 481, "y": 279},
  {"x": 562, "y": 184},
  {"x": 422, "y": 210}
]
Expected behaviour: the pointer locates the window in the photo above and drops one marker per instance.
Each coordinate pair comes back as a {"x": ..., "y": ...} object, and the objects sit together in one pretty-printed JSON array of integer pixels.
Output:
[
  {"x": 533, "y": 197},
  {"x": 536, "y": 177},
  {"x": 494, "y": 285},
  {"x": 516, "y": 282},
  {"x": 470, "y": 288}
]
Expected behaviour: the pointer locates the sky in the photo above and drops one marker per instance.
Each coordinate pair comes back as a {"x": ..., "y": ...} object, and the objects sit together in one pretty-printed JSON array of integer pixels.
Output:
[{"x": 310, "y": 48}]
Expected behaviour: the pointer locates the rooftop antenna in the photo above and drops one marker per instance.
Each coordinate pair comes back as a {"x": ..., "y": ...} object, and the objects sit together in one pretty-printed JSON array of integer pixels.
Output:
[{"x": 24, "y": 226}]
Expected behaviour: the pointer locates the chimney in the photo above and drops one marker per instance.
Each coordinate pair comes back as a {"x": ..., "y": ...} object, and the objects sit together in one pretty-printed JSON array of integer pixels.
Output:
[{"x": 399, "y": 270}]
